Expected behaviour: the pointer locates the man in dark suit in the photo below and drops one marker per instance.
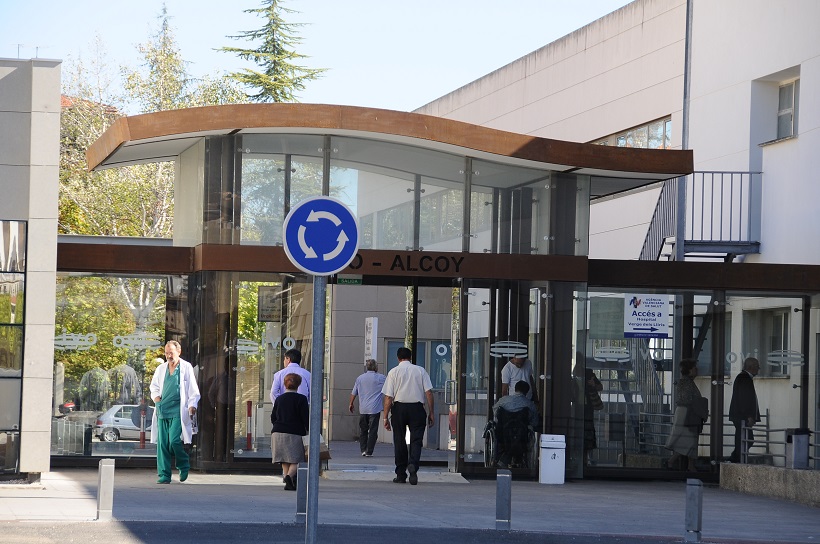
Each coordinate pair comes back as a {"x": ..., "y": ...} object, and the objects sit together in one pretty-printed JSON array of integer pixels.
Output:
[{"x": 743, "y": 409}]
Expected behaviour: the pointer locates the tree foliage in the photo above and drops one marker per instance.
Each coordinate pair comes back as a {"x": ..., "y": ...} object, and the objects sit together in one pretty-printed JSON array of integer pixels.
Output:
[
  {"x": 279, "y": 77},
  {"x": 96, "y": 305},
  {"x": 130, "y": 201}
]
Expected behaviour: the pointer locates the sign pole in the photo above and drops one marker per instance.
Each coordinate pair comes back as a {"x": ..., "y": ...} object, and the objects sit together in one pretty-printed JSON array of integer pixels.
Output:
[
  {"x": 316, "y": 394},
  {"x": 321, "y": 237}
]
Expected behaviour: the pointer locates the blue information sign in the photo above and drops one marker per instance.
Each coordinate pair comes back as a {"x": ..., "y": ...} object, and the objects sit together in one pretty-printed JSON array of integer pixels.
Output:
[{"x": 321, "y": 236}]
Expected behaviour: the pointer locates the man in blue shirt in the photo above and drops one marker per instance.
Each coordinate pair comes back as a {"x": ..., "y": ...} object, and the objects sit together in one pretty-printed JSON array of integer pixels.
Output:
[
  {"x": 368, "y": 387},
  {"x": 293, "y": 358}
]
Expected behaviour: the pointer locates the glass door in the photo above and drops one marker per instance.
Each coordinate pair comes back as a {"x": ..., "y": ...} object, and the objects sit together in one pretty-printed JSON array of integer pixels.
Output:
[
  {"x": 498, "y": 321},
  {"x": 468, "y": 399}
]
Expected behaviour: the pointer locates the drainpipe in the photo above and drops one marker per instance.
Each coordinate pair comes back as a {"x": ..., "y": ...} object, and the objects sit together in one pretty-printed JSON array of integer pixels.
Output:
[{"x": 680, "y": 208}]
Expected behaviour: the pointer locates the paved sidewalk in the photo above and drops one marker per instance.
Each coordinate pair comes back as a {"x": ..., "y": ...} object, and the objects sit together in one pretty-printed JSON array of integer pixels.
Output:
[{"x": 234, "y": 507}]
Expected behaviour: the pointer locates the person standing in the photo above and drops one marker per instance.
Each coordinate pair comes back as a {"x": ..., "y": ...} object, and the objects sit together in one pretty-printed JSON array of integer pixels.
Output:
[
  {"x": 368, "y": 388},
  {"x": 176, "y": 395},
  {"x": 519, "y": 368},
  {"x": 690, "y": 415},
  {"x": 587, "y": 393},
  {"x": 405, "y": 390},
  {"x": 744, "y": 410},
  {"x": 292, "y": 360},
  {"x": 291, "y": 420}
]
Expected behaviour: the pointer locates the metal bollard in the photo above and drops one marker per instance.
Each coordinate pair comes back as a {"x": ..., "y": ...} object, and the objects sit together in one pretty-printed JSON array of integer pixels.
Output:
[
  {"x": 301, "y": 493},
  {"x": 503, "y": 500},
  {"x": 105, "y": 490},
  {"x": 694, "y": 510}
]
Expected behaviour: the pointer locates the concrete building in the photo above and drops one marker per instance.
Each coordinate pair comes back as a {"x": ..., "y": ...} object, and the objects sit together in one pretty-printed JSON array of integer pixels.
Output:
[
  {"x": 749, "y": 110},
  {"x": 29, "y": 161},
  {"x": 559, "y": 235}
]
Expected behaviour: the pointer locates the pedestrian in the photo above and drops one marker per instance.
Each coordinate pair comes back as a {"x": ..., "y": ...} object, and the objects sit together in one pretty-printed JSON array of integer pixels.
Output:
[
  {"x": 291, "y": 421},
  {"x": 405, "y": 390},
  {"x": 368, "y": 388},
  {"x": 176, "y": 395},
  {"x": 744, "y": 411},
  {"x": 292, "y": 362},
  {"x": 518, "y": 368},
  {"x": 516, "y": 417},
  {"x": 688, "y": 420}
]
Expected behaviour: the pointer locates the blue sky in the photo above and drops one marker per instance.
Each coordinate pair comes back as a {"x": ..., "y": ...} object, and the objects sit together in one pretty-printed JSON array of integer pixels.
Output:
[{"x": 380, "y": 53}]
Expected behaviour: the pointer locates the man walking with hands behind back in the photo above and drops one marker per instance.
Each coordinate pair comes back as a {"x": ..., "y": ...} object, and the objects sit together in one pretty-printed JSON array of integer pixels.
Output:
[
  {"x": 406, "y": 388},
  {"x": 743, "y": 409},
  {"x": 368, "y": 387}
]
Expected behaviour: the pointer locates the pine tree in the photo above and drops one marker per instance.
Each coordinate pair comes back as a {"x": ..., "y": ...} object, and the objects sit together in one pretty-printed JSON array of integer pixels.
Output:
[{"x": 280, "y": 78}]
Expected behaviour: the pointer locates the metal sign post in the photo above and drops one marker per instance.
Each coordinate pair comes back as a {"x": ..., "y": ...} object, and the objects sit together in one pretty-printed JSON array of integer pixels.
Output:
[
  {"x": 321, "y": 238},
  {"x": 316, "y": 374}
]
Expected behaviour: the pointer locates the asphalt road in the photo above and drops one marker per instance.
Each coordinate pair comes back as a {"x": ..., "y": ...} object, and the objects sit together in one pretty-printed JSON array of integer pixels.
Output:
[{"x": 204, "y": 533}]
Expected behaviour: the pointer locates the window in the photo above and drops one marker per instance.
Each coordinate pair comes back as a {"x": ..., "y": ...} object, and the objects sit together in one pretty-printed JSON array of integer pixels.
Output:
[
  {"x": 654, "y": 135},
  {"x": 766, "y": 335},
  {"x": 787, "y": 109}
]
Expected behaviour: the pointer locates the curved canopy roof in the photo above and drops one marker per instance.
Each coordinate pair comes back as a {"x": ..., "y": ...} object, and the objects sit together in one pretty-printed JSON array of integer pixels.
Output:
[{"x": 163, "y": 136}]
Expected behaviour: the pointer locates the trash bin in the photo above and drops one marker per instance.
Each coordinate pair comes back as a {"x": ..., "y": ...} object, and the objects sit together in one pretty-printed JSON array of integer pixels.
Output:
[
  {"x": 553, "y": 460},
  {"x": 797, "y": 448}
]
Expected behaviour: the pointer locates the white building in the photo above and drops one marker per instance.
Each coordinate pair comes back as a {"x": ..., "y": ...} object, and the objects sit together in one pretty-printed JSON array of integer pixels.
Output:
[
  {"x": 626, "y": 70},
  {"x": 753, "y": 107}
]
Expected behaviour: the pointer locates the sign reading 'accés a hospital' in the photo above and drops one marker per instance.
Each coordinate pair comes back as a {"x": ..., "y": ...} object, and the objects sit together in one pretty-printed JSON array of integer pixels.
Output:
[{"x": 647, "y": 316}]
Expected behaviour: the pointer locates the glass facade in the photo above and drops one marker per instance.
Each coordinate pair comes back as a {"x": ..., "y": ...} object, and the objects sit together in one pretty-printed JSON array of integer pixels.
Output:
[
  {"x": 12, "y": 329},
  {"x": 640, "y": 370},
  {"x": 406, "y": 197},
  {"x": 234, "y": 322},
  {"x": 109, "y": 337},
  {"x": 654, "y": 135}
]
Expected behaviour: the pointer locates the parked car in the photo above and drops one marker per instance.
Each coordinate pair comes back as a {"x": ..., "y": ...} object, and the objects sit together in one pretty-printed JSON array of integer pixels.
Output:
[{"x": 122, "y": 421}]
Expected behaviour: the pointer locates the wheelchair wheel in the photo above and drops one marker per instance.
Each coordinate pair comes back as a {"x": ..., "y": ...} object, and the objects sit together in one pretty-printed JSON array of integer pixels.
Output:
[
  {"x": 489, "y": 447},
  {"x": 532, "y": 451}
]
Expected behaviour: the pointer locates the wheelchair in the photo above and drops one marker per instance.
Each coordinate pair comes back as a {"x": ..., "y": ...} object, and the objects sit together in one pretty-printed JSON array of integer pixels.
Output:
[{"x": 510, "y": 442}]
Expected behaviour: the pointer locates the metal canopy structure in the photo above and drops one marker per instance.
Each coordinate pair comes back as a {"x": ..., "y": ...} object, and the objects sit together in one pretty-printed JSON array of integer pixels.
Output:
[{"x": 163, "y": 136}]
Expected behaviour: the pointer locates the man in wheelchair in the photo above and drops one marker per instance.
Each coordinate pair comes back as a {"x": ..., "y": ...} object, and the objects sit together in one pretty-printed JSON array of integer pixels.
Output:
[{"x": 512, "y": 432}]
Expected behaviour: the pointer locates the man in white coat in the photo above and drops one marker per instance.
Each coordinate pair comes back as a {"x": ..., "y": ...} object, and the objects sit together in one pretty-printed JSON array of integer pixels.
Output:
[{"x": 176, "y": 395}]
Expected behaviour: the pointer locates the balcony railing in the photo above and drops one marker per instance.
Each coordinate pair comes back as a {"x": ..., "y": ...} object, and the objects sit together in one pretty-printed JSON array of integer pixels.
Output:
[{"x": 722, "y": 216}]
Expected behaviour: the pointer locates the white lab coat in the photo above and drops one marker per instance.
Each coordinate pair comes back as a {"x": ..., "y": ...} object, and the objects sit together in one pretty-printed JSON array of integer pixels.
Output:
[{"x": 188, "y": 396}]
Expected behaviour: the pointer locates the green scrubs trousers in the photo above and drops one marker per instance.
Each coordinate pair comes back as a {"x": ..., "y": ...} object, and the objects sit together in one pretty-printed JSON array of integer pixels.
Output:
[{"x": 170, "y": 442}]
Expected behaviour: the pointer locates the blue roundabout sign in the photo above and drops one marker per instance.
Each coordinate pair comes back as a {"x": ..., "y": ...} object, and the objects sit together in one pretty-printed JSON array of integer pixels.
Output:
[{"x": 321, "y": 236}]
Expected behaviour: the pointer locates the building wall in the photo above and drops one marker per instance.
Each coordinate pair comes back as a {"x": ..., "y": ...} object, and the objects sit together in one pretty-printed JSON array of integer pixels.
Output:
[
  {"x": 620, "y": 71},
  {"x": 29, "y": 162},
  {"x": 627, "y": 68},
  {"x": 735, "y": 80}
]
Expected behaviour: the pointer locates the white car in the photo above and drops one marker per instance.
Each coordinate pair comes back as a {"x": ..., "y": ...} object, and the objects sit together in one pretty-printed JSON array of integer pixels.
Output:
[{"x": 122, "y": 421}]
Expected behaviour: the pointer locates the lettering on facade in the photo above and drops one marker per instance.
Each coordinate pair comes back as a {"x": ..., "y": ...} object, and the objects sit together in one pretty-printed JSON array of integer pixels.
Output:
[
  {"x": 404, "y": 263},
  {"x": 427, "y": 263}
]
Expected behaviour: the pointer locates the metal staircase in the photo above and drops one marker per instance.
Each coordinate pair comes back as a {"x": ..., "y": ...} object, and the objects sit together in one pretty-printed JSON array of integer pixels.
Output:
[{"x": 721, "y": 217}]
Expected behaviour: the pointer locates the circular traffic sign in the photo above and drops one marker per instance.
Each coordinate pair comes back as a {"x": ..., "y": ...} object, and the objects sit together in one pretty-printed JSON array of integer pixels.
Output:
[{"x": 321, "y": 236}]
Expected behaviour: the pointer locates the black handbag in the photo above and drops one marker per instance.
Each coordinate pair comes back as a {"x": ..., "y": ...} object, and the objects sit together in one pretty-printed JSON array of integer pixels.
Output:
[{"x": 595, "y": 399}]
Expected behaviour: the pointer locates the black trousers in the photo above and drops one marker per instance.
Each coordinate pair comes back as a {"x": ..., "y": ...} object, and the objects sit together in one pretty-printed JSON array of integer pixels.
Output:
[
  {"x": 740, "y": 446},
  {"x": 407, "y": 416},
  {"x": 368, "y": 432}
]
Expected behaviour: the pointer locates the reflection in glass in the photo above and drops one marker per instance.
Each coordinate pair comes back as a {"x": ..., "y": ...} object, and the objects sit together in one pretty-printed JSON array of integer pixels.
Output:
[
  {"x": 12, "y": 246},
  {"x": 275, "y": 167},
  {"x": 11, "y": 351},
  {"x": 12, "y": 298},
  {"x": 9, "y": 404},
  {"x": 109, "y": 335}
]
